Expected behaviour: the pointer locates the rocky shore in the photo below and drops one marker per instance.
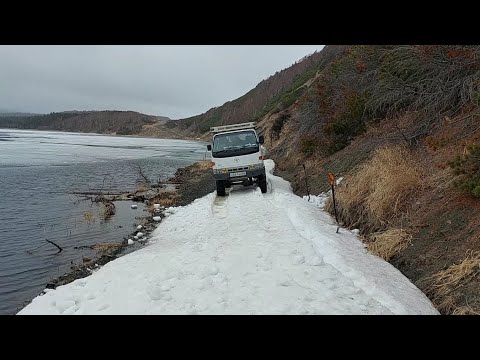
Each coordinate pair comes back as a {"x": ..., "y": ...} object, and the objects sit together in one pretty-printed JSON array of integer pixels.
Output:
[{"x": 188, "y": 184}]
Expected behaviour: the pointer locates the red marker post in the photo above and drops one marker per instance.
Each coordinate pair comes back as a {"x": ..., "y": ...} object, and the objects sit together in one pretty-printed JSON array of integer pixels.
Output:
[{"x": 331, "y": 180}]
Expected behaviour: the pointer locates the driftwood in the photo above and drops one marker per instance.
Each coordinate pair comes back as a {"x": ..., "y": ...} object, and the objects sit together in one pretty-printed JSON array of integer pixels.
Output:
[
  {"x": 92, "y": 193},
  {"x": 51, "y": 242},
  {"x": 59, "y": 248}
]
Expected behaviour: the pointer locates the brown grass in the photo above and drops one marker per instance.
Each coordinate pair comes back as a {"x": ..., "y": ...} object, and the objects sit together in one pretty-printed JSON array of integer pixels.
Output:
[
  {"x": 107, "y": 209},
  {"x": 204, "y": 165},
  {"x": 388, "y": 243},
  {"x": 107, "y": 247},
  {"x": 168, "y": 202},
  {"x": 141, "y": 188},
  {"x": 445, "y": 281},
  {"x": 89, "y": 217},
  {"x": 465, "y": 310},
  {"x": 165, "y": 199},
  {"x": 447, "y": 305},
  {"x": 381, "y": 190}
]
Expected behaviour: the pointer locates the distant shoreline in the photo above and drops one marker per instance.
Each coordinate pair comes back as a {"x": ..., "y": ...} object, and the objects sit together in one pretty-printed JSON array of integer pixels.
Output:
[{"x": 104, "y": 134}]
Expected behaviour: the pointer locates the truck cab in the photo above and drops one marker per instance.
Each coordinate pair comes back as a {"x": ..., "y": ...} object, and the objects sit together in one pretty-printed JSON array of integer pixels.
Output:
[{"x": 237, "y": 156}]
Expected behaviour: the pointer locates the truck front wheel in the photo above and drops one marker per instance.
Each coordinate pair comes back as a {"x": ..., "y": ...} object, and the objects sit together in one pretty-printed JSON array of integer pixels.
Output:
[
  {"x": 220, "y": 187},
  {"x": 262, "y": 182}
]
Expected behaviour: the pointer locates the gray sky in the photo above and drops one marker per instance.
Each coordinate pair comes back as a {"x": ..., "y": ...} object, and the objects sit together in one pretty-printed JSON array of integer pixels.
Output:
[{"x": 174, "y": 81}]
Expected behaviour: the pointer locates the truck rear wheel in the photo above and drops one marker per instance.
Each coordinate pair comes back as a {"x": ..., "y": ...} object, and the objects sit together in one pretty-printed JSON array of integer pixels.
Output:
[
  {"x": 220, "y": 187},
  {"x": 262, "y": 182}
]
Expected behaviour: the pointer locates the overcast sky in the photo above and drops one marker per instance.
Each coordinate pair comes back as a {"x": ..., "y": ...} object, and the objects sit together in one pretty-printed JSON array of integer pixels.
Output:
[{"x": 174, "y": 81}]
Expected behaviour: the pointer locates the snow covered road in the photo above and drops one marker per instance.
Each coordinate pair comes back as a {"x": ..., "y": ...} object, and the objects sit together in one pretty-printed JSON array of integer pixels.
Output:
[{"x": 247, "y": 253}]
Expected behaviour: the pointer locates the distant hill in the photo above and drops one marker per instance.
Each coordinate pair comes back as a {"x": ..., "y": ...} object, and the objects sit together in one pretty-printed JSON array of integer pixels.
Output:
[
  {"x": 276, "y": 93},
  {"x": 104, "y": 122},
  {"x": 16, "y": 114}
]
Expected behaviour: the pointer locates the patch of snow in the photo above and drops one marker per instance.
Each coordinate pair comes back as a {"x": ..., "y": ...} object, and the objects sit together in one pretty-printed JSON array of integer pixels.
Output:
[
  {"x": 318, "y": 200},
  {"x": 157, "y": 218},
  {"x": 134, "y": 206}
]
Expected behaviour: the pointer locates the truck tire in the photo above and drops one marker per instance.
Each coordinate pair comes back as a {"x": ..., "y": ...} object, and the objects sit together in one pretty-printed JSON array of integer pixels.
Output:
[
  {"x": 262, "y": 182},
  {"x": 220, "y": 187}
]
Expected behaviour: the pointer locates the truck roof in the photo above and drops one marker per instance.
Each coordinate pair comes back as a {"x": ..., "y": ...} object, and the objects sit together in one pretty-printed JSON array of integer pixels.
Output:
[{"x": 233, "y": 127}]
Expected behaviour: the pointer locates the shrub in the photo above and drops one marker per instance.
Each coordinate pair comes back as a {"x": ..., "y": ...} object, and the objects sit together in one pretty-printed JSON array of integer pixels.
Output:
[
  {"x": 467, "y": 166},
  {"x": 349, "y": 123},
  {"x": 278, "y": 124},
  {"x": 308, "y": 145},
  {"x": 124, "y": 131},
  {"x": 171, "y": 124}
]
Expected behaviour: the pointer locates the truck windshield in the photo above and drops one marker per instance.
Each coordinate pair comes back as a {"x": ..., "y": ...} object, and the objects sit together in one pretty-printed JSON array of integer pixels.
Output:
[{"x": 234, "y": 144}]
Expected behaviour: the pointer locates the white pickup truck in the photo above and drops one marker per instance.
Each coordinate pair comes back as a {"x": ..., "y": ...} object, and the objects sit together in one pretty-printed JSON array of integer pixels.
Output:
[{"x": 237, "y": 156}]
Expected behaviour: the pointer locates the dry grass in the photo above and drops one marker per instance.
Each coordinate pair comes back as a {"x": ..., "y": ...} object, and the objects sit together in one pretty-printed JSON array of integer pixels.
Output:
[
  {"x": 107, "y": 209},
  {"x": 88, "y": 217},
  {"x": 107, "y": 247},
  {"x": 165, "y": 199},
  {"x": 447, "y": 305},
  {"x": 444, "y": 288},
  {"x": 141, "y": 188},
  {"x": 168, "y": 201},
  {"x": 464, "y": 310},
  {"x": 444, "y": 282},
  {"x": 388, "y": 243},
  {"x": 380, "y": 190},
  {"x": 204, "y": 165}
]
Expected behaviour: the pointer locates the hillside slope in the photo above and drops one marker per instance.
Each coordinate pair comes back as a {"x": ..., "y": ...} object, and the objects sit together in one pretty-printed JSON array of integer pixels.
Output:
[
  {"x": 277, "y": 92},
  {"x": 401, "y": 124}
]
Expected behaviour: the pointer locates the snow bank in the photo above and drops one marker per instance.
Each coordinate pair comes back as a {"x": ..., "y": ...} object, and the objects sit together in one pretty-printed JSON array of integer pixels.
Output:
[{"x": 318, "y": 200}]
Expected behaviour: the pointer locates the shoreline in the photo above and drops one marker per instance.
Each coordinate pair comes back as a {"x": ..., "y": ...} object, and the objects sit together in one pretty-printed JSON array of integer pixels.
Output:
[
  {"x": 189, "y": 183},
  {"x": 186, "y": 138}
]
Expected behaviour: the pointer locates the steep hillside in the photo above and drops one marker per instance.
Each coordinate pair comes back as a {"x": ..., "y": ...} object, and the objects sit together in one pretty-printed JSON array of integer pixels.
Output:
[
  {"x": 106, "y": 122},
  {"x": 277, "y": 92},
  {"x": 402, "y": 125}
]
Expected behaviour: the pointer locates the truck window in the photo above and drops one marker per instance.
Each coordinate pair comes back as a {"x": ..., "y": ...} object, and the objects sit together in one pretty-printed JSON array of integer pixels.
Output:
[{"x": 234, "y": 144}]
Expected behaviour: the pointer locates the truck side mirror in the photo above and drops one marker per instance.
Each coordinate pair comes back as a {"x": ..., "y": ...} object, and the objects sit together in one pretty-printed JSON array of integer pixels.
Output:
[
  {"x": 261, "y": 139},
  {"x": 209, "y": 147}
]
